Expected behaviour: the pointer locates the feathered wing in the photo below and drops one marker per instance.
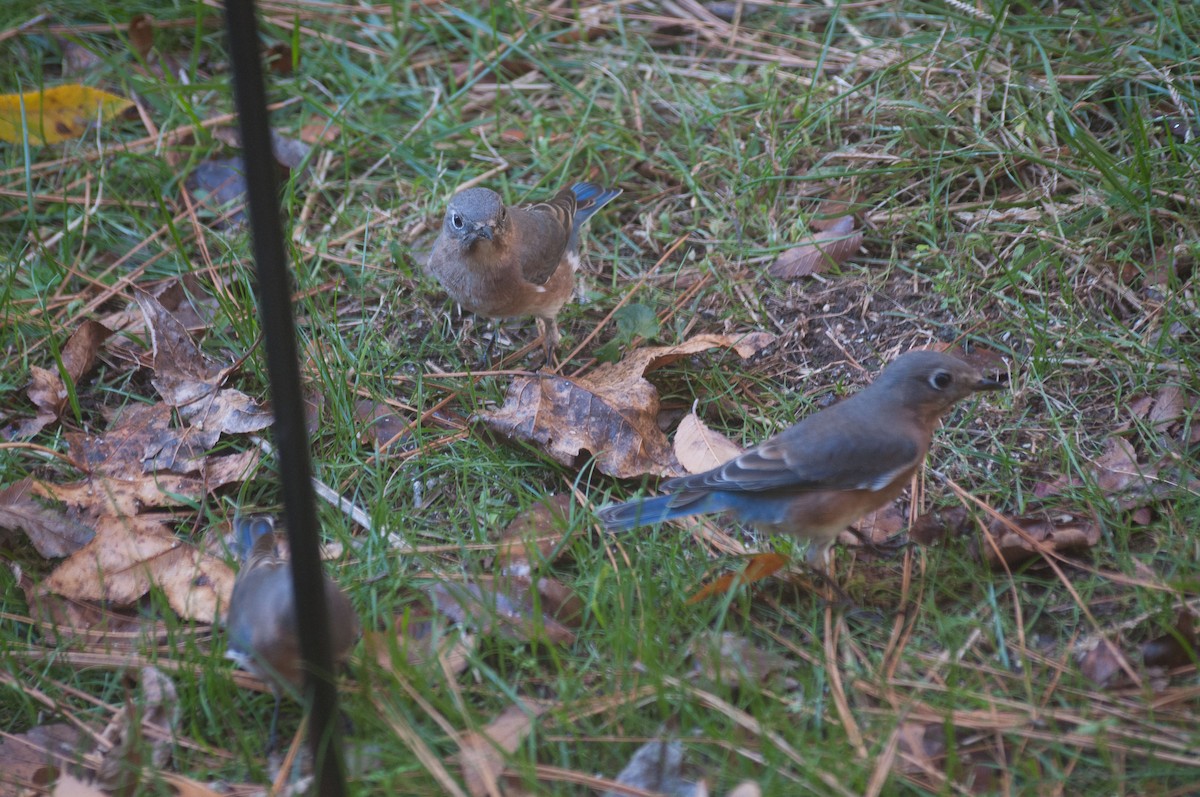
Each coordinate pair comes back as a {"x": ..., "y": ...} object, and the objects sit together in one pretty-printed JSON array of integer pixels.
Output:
[
  {"x": 541, "y": 234},
  {"x": 816, "y": 456},
  {"x": 545, "y": 231}
]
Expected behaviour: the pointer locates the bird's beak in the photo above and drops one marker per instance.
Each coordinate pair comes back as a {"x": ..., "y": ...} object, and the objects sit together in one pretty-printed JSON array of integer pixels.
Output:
[
  {"x": 988, "y": 384},
  {"x": 481, "y": 231}
]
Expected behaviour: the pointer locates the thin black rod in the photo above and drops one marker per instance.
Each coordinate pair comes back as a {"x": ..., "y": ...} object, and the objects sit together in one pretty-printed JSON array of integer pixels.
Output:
[{"x": 291, "y": 440}]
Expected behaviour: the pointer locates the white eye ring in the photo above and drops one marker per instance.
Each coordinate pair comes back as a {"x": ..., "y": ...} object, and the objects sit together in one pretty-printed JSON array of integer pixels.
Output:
[
  {"x": 456, "y": 221},
  {"x": 941, "y": 380}
]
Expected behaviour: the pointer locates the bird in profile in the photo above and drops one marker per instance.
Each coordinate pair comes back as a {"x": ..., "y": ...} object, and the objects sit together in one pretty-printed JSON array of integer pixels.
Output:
[
  {"x": 505, "y": 261},
  {"x": 262, "y": 626},
  {"x": 832, "y": 468}
]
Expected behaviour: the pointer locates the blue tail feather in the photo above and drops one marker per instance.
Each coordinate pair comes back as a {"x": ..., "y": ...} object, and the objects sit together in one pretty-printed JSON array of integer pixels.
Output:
[
  {"x": 591, "y": 197},
  {"x": 647, "y": 512},
  {"x": 247, "y": 531}
]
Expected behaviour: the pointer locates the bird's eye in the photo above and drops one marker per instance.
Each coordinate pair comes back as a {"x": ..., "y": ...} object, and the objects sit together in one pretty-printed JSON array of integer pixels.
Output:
[
  {"x": 456, "y": 221},
  {"x": 941, "y": 380}
]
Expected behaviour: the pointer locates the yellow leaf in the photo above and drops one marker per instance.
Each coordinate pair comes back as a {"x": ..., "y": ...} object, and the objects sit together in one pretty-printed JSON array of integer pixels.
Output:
[{"x": 56, "y": 114}]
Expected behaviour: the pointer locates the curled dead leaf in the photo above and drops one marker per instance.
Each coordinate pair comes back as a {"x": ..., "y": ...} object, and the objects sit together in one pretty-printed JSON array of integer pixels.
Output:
[
  {"x": 1065, "y": 535},
  {"x": 817, "y": 254},
  {"x": 757, "y": 568},
  {"x": 48, "y": 391},
  {"x": 939, "y": 524}
]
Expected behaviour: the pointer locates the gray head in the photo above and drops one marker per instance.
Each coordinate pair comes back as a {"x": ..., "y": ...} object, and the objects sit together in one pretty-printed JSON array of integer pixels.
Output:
[
  {"x": 931, "y": 382},
  {"x": 474, "y": 214}
]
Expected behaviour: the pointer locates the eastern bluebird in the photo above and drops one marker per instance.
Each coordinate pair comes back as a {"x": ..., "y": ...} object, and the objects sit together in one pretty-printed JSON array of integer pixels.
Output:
[
  {"x": 816, "y": 478},
  {"x": 262, "y": 625},
  {"x": 501, "y": 261}
]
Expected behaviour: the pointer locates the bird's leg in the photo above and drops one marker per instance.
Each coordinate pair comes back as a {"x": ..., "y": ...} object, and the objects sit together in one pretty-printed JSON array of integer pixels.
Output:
[
  {"x": 491, "y": 346},
  {"x": 273, "y": 734},
  {"x": 888, "y": 548},
  {"x": 818, "y": 564},
  {"x": 548, "y": 330}
]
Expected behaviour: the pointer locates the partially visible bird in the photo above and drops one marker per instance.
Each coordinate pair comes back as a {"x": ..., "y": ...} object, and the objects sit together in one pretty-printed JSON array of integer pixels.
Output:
[
  {"x": 835, "y": 466},
  {"x": 262, "y": 626},
  {"x": 503, "y": 261}
]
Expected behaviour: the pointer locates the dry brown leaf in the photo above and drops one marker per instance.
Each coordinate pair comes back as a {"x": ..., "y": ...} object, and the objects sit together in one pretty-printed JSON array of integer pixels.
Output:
[
  {"x": 611, "y": 413},
  {"x": 39, "y": 752},
  {"x": 131, "y": 554},
  {"x": 53, "y": 534},
  {"x": 379, "y": 425},
  {"x": 60, "y": 619},
  {"x": 1117, "y": 474},
  {"x": 507, "y": 605},
  {"x": 1103, "y": 663},
  {"x": 699, "y": 448},
  {"x": 823, "y": 250},
  {"x": 151, "y": 702},
  {"x": 481, "y": 753},
  {"x": 47, "y": 390},
  {"x": 732, "y": 660},
  {"x": 420, "y": 637},
  {"x": 319, "y": 130},
  {"x": 189, "y": 380},
  {"x": 1066, "y": 535},
  {"x": 655, "y": 767},
  {"x": 141, "y": 34},
  {"x": 878, "y": 527},
  {"x": 536, "y": 531},
  {"x": 939, "y": 524},
  {"x": 100, "y": 495},
  {"x": 1176, "y": 649}
]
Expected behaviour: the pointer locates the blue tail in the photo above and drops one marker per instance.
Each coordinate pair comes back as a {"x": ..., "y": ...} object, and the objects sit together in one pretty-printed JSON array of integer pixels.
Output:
[
  {"x": 247, "y": 531},
  {"x": 648, "y": 511},
  {"x": 590, "y": 198}
]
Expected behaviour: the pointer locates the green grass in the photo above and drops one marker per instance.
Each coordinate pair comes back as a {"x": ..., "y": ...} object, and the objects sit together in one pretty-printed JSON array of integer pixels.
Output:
[{"x": 1015, "y": 175}]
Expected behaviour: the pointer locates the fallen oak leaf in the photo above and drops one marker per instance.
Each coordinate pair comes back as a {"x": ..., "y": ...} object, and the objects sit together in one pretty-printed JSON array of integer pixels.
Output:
[
  {"x": 506, "y": 606},
  {"x": 817, "y": 254},
  {"x": 731, "y": 660},
  {"x": 100, "y": 495},
  {"x": 189, "y": 380},
  {"x": 481, "y": 753},
  {"x": 610, "y": 413},
  {"x": 52, "y": 533},
  {"x": 129, "y": 555},
  {"x": 59, "y": 619},
  {"x": 698, "y": 448}
]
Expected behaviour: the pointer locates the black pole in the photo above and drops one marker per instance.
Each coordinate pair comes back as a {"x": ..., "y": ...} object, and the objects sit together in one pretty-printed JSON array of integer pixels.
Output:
[{"x": 291, "y": 440}]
